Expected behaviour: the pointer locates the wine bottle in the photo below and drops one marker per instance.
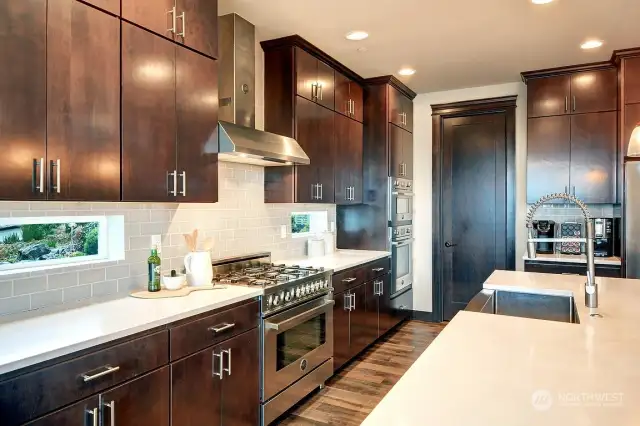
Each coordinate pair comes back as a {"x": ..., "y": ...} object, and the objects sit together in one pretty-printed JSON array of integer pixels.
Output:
[{"x": 154, "y": 270}]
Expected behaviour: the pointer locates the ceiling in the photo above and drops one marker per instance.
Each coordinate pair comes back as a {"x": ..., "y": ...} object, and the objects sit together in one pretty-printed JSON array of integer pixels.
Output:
[{"x": 451, "y": 43}]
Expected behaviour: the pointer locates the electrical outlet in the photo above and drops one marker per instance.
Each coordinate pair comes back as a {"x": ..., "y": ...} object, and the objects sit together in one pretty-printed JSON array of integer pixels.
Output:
[
  {"x": 283, "y": 231},
  {"x": 156, "y": 240},
  {"x": 332, "y": 226}
]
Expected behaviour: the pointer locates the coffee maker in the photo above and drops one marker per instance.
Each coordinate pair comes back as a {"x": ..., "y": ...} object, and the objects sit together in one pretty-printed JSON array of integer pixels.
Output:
[
  {"x": 545, "y": 229},
  {"x": 603, "y": 237}
]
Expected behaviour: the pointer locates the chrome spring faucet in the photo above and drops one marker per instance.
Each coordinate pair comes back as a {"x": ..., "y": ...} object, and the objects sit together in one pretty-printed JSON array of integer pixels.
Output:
[{"x": 591, "y": 288}]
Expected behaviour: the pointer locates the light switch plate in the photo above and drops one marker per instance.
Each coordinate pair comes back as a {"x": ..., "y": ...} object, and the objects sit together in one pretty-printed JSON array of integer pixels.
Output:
[
  {"x": 283, "y": 231},
  {"x": 156, "y": 240},
  {"x": 332, "y": 226}
]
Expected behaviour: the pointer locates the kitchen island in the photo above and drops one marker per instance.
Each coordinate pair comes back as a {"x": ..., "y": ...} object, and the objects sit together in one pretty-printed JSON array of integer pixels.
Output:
[{"x": 493, "y": 370}]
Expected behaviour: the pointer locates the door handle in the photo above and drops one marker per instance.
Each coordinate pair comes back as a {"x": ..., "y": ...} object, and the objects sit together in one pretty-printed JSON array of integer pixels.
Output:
[
  {"x": 377, "y": 269},
  {"x": 314, "y": 91},
  {"x": 112, "y": 412},
  {"x": 34, "y": 179},
  {"x": 221, "y": 328},
  {"x": 574, "y": 103},
  {"x": 320, "y": 185},
  {"x": 566, "y": 104},
  {"x": 184, "y": 183},
  {"x": 94, "y": 417},
  {"x": 107, "y": 370},
  {"x": 213, "y": 365},
  {"x": 320, "y": 88},
  {"x": 55, "y": 187},
  {"x": 352, "y": 297},
  {"x": 228, "y": 352},
  {"x": 172, "y": 12},
  {"x": 349, "y": 280},
  {"x": 448, "y": 244},
  {"x": 173, "y": 174},
  {"x": 184, "y": 25}
]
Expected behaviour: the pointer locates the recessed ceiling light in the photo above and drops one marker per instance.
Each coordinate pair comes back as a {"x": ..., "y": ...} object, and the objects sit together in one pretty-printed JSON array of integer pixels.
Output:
[
  {"x": 591, "y": 44},
  {"x": 407, "y": 71},
  {"x": 541, "y": 1},
  {"x": 357, "y": 35}
]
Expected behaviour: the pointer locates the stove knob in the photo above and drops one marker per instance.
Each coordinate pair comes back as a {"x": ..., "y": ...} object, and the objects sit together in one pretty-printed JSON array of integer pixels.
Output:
[
  {"x": 288, "y": 296},
  {"x": 269, "y": 300},
  {"x": 318, "y": 285},
  {"x": 276, "y": 300},
  {"x": 298, "y": 292},
  {"x": 309, "y": 289},
  {"x": 303, "y": 291}
]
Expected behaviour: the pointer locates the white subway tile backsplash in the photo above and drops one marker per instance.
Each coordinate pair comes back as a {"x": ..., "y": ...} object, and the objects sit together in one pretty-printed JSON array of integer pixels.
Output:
[{"x": 239, "y": 223}]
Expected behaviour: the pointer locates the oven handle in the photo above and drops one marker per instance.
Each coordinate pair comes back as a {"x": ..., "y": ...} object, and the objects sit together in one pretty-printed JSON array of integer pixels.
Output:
[
  {"x": 283, "y": 324},
  {"x": 403, "y": 243},
  {"x": 403, "y": 194}
]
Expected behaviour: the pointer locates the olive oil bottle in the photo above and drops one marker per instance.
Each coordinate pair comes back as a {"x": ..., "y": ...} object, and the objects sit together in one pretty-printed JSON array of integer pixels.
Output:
[{"x": 154, "y": 270}]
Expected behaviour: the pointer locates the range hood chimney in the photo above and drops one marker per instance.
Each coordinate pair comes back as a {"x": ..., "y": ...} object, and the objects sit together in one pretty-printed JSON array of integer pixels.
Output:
[{"x": 238, "y": 139}]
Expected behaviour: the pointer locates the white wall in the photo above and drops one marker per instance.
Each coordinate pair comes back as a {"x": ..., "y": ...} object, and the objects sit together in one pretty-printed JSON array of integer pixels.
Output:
[{"x": 422, "y": 175}]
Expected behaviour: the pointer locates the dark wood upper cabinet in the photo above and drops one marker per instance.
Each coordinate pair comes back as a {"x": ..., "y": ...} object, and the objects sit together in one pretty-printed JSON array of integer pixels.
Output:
[
  {"x": 242, "y": 378},
  {"x": 189, "y": 408},
  {"x": 314, "y": 133},
  {"x": 314, "y": 79},
  {"x": 400, "y": 153},
  {"x": 83, "y": 108},
  {"x": 197, "y": 120},
  {"x": 148, "y": 116},
  {"x": 348, "y": 165},
  {"x": 594, "y": 156},
  {"x": 548, "y": 96},
  {"x": 326, "y": 83},
  {"x": 631, "y": 77},
  {"x": 143, "y": 401},
  {"x": 400, "y": 109},
  {"x": 548, "y": 156},
  {"x": 349, "y": 97},
  {"x": 407, "y": 154},
  {"x": 158, "y": 16},
  {"x": 111, "y": 6},
  {"x": 594, "y": 91},
  {"x": 407, "y": 109},
  {"x": 81, "y": 413},
  {"x": 197, "y": 25},
  {"x": 23, "y": 99}
]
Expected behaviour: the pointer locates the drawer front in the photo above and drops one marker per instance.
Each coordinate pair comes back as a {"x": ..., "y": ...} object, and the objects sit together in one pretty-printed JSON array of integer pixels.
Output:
[
  {"x": 611, "y": 271},
  {"x": 350, "y": 278},
  {"x": 378, "y": 268},
  {"x": 34, "y": 394},
  {"x": 191, "y": 337}
]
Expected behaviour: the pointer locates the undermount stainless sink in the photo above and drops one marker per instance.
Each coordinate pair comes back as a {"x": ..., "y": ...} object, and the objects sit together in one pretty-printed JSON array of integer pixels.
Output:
[{"x": 526, "y": 305}]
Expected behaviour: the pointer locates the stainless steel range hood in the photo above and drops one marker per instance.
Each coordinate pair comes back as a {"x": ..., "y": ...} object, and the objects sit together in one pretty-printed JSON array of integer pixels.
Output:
[{"x": 238, "y": 139}]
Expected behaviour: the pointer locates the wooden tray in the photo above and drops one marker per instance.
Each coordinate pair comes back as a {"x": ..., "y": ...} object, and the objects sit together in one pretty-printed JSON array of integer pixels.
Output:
[{"x": 162, "y": 294}]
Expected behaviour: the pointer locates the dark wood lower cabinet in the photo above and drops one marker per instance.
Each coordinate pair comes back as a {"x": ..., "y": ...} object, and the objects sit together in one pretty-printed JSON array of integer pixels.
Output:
[
  {"x": 386, "y": 316},
  {"x": 83, "y": 413},
  {"x": 143, "y": 401},
  {"x": 340, "y": 330},
  {"x": 359, "y": 331}
]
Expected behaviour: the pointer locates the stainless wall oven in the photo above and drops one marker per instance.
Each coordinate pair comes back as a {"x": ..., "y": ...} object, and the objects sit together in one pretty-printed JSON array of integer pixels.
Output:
[
  {"x": 400, "y": 201},
  {"x": 402, "y": 258}
]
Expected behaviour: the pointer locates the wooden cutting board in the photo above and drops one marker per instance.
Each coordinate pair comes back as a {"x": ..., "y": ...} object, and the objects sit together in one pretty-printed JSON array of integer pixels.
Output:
[{"x": 162, "y": 294}]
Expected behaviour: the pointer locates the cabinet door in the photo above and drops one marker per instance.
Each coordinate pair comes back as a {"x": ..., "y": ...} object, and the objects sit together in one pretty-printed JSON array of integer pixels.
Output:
[
  {"x": 593, "y": 157},
  {"x": 594, "y": 91},
  {"x": 396, "y": 135},
  {"x": 154, "y": 15},
  {"x": 306, "y": 74},
  {"x": 142, "y": 401},
  {"x": 631, "y": 81},
  {"x": 548, "y": 156},
  {"x": 326, "y": 163},
  {"x": 395, "y": 106},
  {"x": 83, "y": 413},
  {"x": 548, "y": 96},
  {"x": 326, "y": 81},
  {"x": 371, "y": 302},
  {"x": 197, "y": 120},
  {"x": 357, "y": 98},
  {"x": 387, "y": 319},
  {"x": 342, "y": 94},
  {"x": 111, "y": 6},
  {"x": 199, "y": 24},
  {"x": 148, "y": 116},
  {"x": 308, "y": 127},
  {"x": 359, "y": 323},
  {"x": 196, "y": 392},
  {"x": 407, "y": 110},
  {"x": 83, "y": 108},
  {"x": 407, "y": 154},
  {"x": 348, "y": 165},
  {"x": 23, "y": 99},
  {"x": 241, "y": 377},
  {"x": 341, "y": 318}
]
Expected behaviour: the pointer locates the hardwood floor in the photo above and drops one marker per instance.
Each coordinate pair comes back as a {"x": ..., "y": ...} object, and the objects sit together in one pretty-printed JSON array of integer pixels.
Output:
[{"x": 352, "y": 394}]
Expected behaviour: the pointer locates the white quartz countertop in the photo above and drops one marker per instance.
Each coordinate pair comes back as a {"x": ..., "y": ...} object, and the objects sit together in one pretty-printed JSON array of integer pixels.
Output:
[
  {"x": 492, "y": 370},
  {"x": 27, "y": 342},
  {"x": 573, "y": 258},
  {"x": 338, "y": 260}
]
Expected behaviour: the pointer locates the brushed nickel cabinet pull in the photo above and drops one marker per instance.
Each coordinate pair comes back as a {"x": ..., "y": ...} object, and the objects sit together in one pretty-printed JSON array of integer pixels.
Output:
[
  {"x": 94, "y": 417},
  {"x": 213, "y": 364},
  {"x": 566, "y": 104},
  {"x": 174, "y": 175},
  {"x": 38, "y": 182},
  {"x": 55, "y": 187},
  {"x": 108, "y": 370},
  {"x": 172, "y": 12},
  {"x": 221, "y": 328},
  {"x": 184, "y": 183},
  {"x": 574, "y": 103},
  {"x": 184, "y": 25},
  {"x": 378, "y": 269},
  {"x": 320, "y": 88},
  {"x": 349, "y": 280},
  {"x": 228, "y": 352},
  {"x": 112, "y": 412}
]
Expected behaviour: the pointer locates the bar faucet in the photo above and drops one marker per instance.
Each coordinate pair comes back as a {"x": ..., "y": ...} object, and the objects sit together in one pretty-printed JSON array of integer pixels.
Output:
[{"x": 591, "y": 288}]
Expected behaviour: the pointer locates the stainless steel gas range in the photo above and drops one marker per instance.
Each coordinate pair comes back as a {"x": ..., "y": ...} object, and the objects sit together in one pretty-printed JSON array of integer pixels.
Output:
[{"x": 297, "y": 326}]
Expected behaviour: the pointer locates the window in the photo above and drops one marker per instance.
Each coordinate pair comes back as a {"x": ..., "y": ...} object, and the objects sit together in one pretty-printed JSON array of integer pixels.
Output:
[
  {"x": 47, "y": 242},
  {"x": 305, "y": 224}
]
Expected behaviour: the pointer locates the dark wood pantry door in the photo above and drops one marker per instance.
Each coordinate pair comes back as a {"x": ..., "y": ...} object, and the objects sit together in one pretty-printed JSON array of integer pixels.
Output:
[{"x": 476, "y": 210}]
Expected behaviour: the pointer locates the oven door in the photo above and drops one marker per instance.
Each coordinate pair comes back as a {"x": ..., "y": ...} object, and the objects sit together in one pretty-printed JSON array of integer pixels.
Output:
[
  {"x": 401, "y": 265},
  {"x": 295, "y": 342},
  {"x": 401, "y": 207}
]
